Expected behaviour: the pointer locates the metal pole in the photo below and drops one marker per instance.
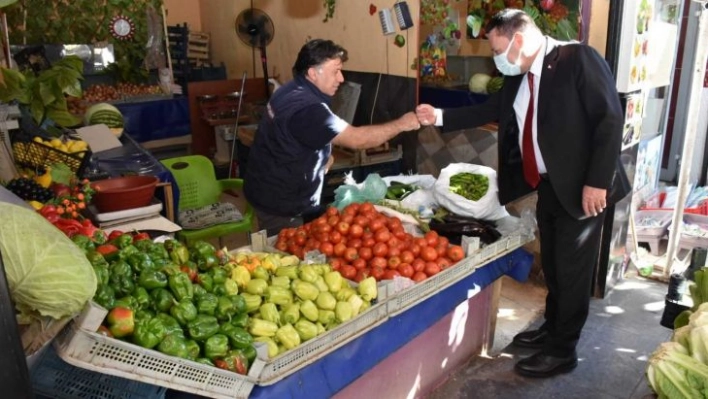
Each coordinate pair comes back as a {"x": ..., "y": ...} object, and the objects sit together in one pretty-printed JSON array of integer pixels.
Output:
[{"x": 691, "y": 131}]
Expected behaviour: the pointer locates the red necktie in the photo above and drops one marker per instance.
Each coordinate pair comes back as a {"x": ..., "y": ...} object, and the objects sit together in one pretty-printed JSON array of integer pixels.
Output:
[{"x": 530, "y": 168}]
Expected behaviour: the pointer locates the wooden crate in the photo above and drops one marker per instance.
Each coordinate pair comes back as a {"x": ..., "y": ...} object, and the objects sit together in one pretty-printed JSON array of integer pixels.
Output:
[{"x": 198, "y": 48}]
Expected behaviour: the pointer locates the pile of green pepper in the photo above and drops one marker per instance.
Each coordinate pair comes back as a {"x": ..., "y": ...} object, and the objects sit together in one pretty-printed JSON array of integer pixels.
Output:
[
  {"x": 174, "y": 299},
  {"x": 472, "y": 186}
]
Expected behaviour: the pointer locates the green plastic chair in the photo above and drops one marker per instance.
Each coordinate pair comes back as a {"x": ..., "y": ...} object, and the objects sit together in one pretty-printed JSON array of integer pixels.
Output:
[{"x": 199, "y": 187}]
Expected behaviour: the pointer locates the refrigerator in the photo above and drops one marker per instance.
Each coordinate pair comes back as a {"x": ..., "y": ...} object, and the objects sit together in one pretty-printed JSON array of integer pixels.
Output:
[{"x": 641, "y": 34}]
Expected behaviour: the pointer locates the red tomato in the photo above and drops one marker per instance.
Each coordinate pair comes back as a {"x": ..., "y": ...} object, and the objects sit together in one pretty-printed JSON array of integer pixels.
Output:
[
  {"x": 327, "y": 248},
  {"x": 399, "y": 233},
  {"x": 333, "y": 220},
  {"x": 351, "y": 254},
  {"x": 431, "y": 238},
  {"x": 361, "y": 220},
  {"x": 418, "y": 264},
  {"x": 300, "y": 240},
  {"x": 325, "y": 228},
  {"x": 362, "y": 274},
  {"x": 281, "y": 246},
  {"x": 376, "y": 224},
  {"x": 355, "y": 243},
  {"x": 335, "y": 237},
  {"x": 394, "y": 262},
  {"x": 390, "y": 274},
  {"x": 421, "y": 242},
  {"x": 288, "y": 232},
  {"x": 378, "y": 261},
  {"x": 336, "y": 263},
  {"x": 347, "y": 218},
  {"x": 393, "y": 251},
  {"x": 351, "y": 208},
  {"x": 366, "y": 253},
  {"x": 356, "y": 230},
  {"x": 312, "y": 243},
  {"x": 320, "y": 221},
  {"x": 444, "y": 241},
  {"x": 366, "y": 207},
  {"x": 443, "y": 262},
  {"x": 332, "y": 211},
  {"x": 431, "y": 268},
  {"x": 394, "y": 242},
  {"x": 382, "y": 235},
  {"x": 343, "y": 228},
  {"x": 407, "y": 256},
  {"x": 377, "y": 273},
  {"x": 419, "y": 276},
  {"x": 368, "y": 242},
  {"x": 455, "y": 253},
  {"x": 359, "y": 263},
  {"x": 406, "y": 270},
  {"x": 428, "y": 254},
  {"x": 441, "y": 250},
  {"x": 339, "y": 249},
  {"x": 348, "y": 272},
  {"x": 380, "y": 249},
  {"x": 415, "y": 249}
]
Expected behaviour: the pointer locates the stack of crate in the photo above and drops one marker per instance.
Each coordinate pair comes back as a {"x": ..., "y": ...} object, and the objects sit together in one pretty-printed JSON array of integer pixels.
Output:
[
  {"x": 178, "y": 38},
  {"x": 198, "y": 49}
]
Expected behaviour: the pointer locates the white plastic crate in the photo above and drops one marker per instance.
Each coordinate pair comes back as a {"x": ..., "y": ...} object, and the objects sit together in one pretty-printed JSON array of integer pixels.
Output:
[
  {"x": 96, "y": 352},
  {"x": 663, "y": 218},
  {"x": 295, "y": 359}
]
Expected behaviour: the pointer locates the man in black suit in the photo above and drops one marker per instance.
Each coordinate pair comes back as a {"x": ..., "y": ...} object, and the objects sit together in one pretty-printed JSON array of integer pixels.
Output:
[{"x": 560, "y": 131}]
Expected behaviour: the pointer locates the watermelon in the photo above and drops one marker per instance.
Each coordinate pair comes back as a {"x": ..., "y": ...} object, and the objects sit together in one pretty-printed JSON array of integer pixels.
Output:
[
  {"x": 495, "y": 84},
  {"x": 107, "y": 114}
]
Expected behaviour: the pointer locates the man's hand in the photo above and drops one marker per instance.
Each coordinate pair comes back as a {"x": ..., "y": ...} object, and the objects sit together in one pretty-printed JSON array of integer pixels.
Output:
[
  {"x": 425, "y": 114},
  {"x": 594, "y": 200},
  {"x": 409, "y": 121}
]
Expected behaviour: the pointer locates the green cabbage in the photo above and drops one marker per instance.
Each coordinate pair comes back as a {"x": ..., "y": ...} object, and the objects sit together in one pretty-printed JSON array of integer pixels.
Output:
[{"x": 46, "y": 271}]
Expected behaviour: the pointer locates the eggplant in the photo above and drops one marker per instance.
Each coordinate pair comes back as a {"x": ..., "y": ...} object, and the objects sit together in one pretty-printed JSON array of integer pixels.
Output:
[{"x": 454, "y": 227}]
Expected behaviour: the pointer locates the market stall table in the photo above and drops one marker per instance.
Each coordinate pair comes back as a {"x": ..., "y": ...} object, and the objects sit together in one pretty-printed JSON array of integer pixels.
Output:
[{"x": 368, "y": 365}]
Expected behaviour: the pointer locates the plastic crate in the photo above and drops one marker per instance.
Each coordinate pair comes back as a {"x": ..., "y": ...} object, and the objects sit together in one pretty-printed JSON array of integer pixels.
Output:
[
  {"x": 656, "y": 201},
  {"x": 295, "y": 359},
  {"x": 53, "y": 377},
  {"x": 96, "y": 352},
  {"x": 36, "y": 155},
  {"x": 663, "y": 217}
]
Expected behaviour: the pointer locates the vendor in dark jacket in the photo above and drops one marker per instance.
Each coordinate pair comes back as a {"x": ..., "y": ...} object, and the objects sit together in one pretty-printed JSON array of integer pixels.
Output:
[{"x": 292, "y": 148}]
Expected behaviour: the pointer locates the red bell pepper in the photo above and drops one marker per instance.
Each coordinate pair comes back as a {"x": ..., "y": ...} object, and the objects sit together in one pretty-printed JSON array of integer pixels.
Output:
[
  {"x": 114, "y": 234},
  {"x": 121, "y": 321},
  {"x": 70, "y": 227},
  {"x": 140, "y": 236},
  {"x": 106, "y": 249}
]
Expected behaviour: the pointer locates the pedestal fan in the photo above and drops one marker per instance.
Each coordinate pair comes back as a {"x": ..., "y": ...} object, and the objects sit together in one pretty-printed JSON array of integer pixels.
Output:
[{"x": 255, "y": 28}]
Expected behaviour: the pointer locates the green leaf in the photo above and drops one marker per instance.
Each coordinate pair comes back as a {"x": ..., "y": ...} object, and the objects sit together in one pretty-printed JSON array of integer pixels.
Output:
[
  {"x": 47, "y": 93},
  {"x": 73, "y": 90},
  {"x": 63, "y": 118},
  {"x": 37, "y": 110},
  {"x": 5, "y": 3}
]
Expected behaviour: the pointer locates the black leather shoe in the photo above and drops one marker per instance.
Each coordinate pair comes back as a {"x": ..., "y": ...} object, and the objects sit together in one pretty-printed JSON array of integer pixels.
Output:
[
  {"x": 531, "y": 339},
  {"x": 541, "y": 365}
]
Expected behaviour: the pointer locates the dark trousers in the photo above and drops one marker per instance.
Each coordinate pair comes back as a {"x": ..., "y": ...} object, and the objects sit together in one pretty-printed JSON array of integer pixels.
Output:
[{"x": 569, "y": 251}]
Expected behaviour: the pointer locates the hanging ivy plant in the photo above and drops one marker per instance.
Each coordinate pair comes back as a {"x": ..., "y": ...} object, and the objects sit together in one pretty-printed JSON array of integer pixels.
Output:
[
  {"x": 47, "y": 23},
  {"x": 329, "y": 6}
]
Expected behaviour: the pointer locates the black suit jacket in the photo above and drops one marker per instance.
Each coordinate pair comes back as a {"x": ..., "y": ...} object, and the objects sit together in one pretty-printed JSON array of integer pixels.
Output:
[{"x": 579, "y": 122}]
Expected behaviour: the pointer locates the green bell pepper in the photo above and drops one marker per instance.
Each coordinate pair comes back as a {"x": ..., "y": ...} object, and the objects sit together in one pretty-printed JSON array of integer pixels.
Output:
[
  {"x": 253, "y": 302},
  {"x": 216, "y": 346},
  {"x": 193, "y": 349},
  {"x": 207, "y": 304},
  {"x": 142, "y": 297},
  {"x": 234, "y": 361},
  {"x": 122, "y": 240},
  {"x": 239, "y": 303},
  {"x": 240, "y": 320},
  {"x": 127, "y": 302},
  {"x": 144, "y": 314},
  {"x": 238, "y": 337},
  {"x": 203, "y": 327},
  {"x": 140, "y": 261},
  {"x": 207, "y": 262},
  {"x": 230, "y": 287},
  {"x": 184, "y": 311},
  {"x": 149, "y": 333},
  {"x": 199, "y": 291},
  {"x": 206, "y": 281},
  {"x": 200, "y": 249},
  {"x": 102, "y": 273},
  {"x": 204, "y": 361},
  {"x": 125, "y": 253},
  {"x": 157, "y": 251},
  {"x": 219, "y": 275},
  {"x": 152, "y": 279},
  {"x": 83, "y": 242},
  {"x": 105, "y": 296},
  {"x": 219, "y": 289},
  {"x": 177, "y": 251},
  {"x": 174, "y": 345},
  {"x": 96, "y": 258},
  {"x": 143, "y": 245},
  {"x": 181, "y": 286},
  {"x": 120, "y": 268},
  {"x": 162, "y": 300},
  {"x": 124, "y": 285},
  {"x": 171, "y": 324},
  {"x": 250, "y": 352},
  {"x": 225, "y": 308}
]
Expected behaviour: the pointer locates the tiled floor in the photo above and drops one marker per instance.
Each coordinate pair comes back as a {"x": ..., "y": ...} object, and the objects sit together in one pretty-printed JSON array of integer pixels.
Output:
[{"x": 621, "y": 333}]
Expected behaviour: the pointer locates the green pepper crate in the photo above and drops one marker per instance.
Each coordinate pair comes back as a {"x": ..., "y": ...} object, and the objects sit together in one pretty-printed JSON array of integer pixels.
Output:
[
  {"x": 95, "y": 352},
  {"x": 52, "y": 377}
]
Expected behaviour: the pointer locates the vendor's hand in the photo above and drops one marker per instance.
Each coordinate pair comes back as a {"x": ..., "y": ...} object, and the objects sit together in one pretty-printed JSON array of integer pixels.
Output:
[
  {"x": 594, "y": 200},
  {"x": 409, "y": 121},
  {"x": 425, "y": 114}
]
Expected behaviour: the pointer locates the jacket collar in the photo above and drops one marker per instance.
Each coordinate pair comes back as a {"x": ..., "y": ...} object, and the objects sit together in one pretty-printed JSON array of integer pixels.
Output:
[{"x": 307, "y": 85}]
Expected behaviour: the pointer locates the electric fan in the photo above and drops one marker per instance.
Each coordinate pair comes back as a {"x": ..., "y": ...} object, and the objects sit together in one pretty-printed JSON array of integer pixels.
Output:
[{"x": 255, "y": 28}]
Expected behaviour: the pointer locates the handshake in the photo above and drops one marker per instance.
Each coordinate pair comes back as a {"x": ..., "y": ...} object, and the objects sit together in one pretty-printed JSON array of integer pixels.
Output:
[{"x": 424, "y": 115}]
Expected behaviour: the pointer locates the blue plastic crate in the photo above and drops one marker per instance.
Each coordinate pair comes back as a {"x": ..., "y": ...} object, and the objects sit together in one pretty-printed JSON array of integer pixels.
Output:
[{"x": 54, "y": 378}]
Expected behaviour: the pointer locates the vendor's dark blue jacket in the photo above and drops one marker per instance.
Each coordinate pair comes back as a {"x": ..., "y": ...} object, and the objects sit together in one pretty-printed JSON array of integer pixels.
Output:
[{"x": 286, "y": 162}]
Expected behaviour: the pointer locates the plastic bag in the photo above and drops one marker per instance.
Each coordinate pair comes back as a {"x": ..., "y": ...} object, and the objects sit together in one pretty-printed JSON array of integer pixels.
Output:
[
  {"x": 422, "y": 200},
  {"x": 486, "y": 208},
  {"x": 372, "y": 190}
]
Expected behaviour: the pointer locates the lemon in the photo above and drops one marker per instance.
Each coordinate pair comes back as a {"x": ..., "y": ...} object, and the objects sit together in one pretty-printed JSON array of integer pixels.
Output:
[
  {"x": 63, "y": 148},
  {"x": 56, "y": 143},
  {"x": 37, "y": 139},
  {"x": 36, "y": 205}
]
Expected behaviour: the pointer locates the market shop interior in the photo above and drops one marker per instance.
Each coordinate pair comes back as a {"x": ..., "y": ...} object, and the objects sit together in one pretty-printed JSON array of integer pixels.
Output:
[{"x": 134, "y": 266}]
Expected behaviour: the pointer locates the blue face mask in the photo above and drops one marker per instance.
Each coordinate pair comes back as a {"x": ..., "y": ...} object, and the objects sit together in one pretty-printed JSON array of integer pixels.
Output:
[{"x": 503, "y": 64}]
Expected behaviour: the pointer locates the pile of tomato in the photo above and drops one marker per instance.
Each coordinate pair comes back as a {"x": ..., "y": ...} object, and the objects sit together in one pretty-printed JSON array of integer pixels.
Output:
[{"x": 359, "y": 242}]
